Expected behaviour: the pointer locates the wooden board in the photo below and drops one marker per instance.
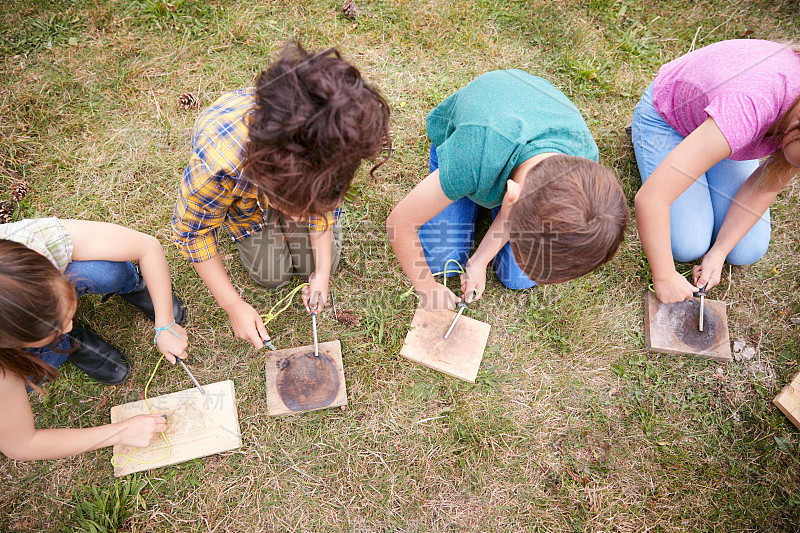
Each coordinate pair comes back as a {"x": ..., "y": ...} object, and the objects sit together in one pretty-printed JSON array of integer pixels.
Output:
[
  {"x": 673, "y": 328},
  {"x": 298, "y": 381},
  {"x": 458, "y": 356},
  {"x": 197, "y": 425},
  {"x": 788, "y": 401}
]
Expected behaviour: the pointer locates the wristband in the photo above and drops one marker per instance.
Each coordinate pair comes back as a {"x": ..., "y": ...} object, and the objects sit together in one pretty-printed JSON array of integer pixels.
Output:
[{"x": 168, "y": 327}]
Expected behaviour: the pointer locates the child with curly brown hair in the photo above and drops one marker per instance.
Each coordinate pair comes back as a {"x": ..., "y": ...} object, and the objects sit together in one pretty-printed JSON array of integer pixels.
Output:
[{"x": 271, "y": 165}]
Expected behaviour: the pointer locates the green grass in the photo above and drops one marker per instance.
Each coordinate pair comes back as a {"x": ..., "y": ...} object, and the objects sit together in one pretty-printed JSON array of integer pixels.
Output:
[{"x": 571, "y": 425}]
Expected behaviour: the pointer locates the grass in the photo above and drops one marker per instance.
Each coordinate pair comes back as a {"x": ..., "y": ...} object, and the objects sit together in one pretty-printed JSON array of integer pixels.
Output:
[{"x": 571, "y": 425}]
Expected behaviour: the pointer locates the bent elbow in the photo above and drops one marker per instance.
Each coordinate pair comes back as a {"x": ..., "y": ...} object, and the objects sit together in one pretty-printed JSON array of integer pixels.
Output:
[
  {"x": 154, "y": 244},
  {"x": 20, "y": 454},
  {"x": 391, "y": 224},
  {"x": 640, "y": 200}
]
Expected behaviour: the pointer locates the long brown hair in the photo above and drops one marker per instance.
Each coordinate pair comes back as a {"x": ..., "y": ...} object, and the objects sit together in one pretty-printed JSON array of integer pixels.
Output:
[
  {"x": 35, "y": 299},
  {"x": 315, "y": 119},
  {"x": 776, "y": 168}
]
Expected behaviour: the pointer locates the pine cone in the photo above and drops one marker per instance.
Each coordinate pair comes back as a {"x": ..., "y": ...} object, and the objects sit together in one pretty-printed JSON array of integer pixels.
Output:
[
  {"x": 350, "y": 9},
  {"x": 19, "y": 189},
  {"x": 7, "y": 209},
  {"x": 348, "y": 318},
  {"x": 188, "y": 101}
]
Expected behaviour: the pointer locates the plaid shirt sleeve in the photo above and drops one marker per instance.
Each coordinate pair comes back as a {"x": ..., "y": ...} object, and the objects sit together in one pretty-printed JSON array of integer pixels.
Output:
[
  {"x": 204, "y": 197},
  {"x": 324, "y": 222}
]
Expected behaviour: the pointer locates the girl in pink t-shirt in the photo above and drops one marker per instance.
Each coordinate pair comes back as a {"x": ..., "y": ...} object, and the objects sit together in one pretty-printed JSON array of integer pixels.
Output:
[{"x": 698, "y": 133}]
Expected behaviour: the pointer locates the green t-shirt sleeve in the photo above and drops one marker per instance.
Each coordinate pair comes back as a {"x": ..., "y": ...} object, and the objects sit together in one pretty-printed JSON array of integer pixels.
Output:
[{"x": 473, "y": 160}]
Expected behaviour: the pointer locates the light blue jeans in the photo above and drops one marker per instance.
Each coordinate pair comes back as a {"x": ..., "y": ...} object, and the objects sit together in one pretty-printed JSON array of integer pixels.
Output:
[
  {"x": 450, "y": 234},
  {"x": 697, "y": 215},
  {"x": 90, "y": 277}
]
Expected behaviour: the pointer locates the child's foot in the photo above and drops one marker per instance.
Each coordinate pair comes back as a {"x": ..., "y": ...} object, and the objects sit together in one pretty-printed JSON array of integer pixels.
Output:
[
  {"x": 97, "y": 358},
  {"x": 140, "y": 297}
]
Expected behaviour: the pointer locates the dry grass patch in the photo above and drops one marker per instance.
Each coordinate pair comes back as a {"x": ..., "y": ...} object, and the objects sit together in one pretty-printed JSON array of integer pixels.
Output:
[{"x": 571, "y": 426}]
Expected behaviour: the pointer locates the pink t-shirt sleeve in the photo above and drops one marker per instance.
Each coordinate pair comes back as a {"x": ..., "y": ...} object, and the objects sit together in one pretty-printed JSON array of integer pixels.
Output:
[{"x": 743, "y": 120}]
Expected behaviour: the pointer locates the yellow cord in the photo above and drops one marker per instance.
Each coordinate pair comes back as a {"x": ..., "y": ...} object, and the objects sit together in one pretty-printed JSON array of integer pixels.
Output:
[
  {"x": 163, "y": 434},
  {"x": 685, "y": 274},
  {"x": 270, "y": 315},
  {"x": 444, "y": 273}
]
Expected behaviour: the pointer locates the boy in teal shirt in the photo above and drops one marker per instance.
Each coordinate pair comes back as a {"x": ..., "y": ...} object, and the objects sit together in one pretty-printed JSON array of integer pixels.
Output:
[{"x": 511, "y": 142}]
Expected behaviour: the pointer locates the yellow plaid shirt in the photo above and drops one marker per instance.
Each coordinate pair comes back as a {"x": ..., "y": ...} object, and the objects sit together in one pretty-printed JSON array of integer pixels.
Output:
[{"x": 213, "y": 192}]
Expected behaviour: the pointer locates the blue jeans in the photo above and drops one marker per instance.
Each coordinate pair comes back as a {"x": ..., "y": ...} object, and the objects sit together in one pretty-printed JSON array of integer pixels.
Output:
[
  {"x": 90, "y": 277},
  {"x": 450, "y": 234},
  {"x": 697, "y": 215}
]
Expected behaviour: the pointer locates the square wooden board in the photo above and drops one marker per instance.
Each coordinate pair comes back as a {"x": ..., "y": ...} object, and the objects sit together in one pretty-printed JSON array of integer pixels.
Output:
[
  {"x": 788, "y": 401},
  {"x": 458, "y": 356},
  {"x": 673, "y": 328},
  {"x": 298, "y": 381},
  {"x": 197, "y": 425}
]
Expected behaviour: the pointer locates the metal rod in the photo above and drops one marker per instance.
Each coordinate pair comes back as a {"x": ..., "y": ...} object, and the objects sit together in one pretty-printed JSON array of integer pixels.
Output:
[
  {"x": 702, "y": 308},
  {"x": 460, "y": 310},
  {"x": 702, "y": 294},
  {"x": 196, "y": 384},
  {"x": 269, "y": 345},
  {"x": 314, "y": 324}
]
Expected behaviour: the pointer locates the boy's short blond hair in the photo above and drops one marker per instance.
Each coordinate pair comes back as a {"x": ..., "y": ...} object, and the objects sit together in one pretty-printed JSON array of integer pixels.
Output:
[{"x": 570, "y": 218}]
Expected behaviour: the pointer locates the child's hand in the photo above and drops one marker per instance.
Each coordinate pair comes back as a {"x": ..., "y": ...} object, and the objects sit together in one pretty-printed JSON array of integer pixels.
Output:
[
  {"x": 708, "y": 271},
  {"x": 247, "y": 324},
  {"x": 140, "y": 430},
  {"x": 473, "y": 281},
  {"x": 437, "y": 297},
  {"x": 170, "y": 345},
  {"x": 675, "y": 288},
  {"x": 315, "y": 294}
]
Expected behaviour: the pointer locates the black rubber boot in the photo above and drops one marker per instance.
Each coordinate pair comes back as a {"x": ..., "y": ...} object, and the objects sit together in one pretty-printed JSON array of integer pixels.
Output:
[
  {"x": 97, "y": 358},
  {"x": 140, "y": 297}
]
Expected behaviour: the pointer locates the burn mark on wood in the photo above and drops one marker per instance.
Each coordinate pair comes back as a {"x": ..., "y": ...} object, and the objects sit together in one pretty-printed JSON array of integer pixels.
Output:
[
  {"x": 306, "y": 381},
  {"x": 685, "y": 321}
]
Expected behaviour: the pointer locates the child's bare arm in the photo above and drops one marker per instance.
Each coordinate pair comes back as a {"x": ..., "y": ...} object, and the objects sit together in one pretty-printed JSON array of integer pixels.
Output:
[
  {"x": 474, "y": 278},
  {"x": 315, "y": 295},
  {"x": 698, "y": 152},
  {"x": 423, "y": 203},
  {"x": 246, "y": 322},
  {"x": 745, "y": 210},
  {"x": 20, "y": 440},
  {"x": 109, "y": 242}
]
